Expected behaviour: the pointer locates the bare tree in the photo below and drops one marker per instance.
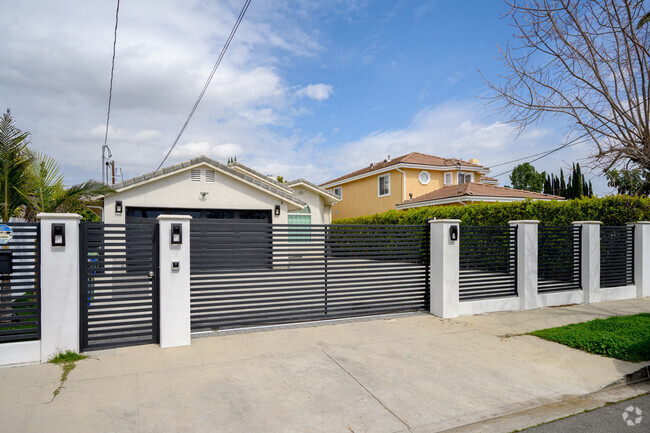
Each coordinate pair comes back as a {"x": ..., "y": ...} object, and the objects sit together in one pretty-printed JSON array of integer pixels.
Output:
[{"x": 585, "y": 62}]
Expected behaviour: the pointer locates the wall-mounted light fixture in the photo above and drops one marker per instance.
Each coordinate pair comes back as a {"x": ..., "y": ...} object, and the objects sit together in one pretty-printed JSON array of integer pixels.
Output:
[
  {"x": 177, "y": 234},
  {"x": 277, "y": 210},
  {"x": 203, "y": 194},
  {"x": 118, "y": 206},
  {"x": 453, "y": 233},
  {"x": 58, "y": 235}
]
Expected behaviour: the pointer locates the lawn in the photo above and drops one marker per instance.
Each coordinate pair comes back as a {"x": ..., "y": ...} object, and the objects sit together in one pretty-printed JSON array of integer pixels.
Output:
[{"x": 621, "y": 337}]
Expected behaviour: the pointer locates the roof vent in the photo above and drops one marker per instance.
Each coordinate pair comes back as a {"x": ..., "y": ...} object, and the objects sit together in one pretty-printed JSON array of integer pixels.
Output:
[
  {"x": 372, "y": 165},
  {"x": 388, "y": 159}
]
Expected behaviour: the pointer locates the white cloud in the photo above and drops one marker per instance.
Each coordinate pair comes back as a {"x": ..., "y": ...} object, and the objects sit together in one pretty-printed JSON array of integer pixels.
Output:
[{"x": 320, "y": 92}]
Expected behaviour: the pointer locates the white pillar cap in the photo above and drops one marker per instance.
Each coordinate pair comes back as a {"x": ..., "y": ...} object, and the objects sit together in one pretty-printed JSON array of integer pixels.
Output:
[
  {"x": 445, "y": 221},
  {"x": 587, "y": 222},
  {"x": 60, "y": 216},
  {"x": 524, "y": 222},
  {"x": 174, "y": 217}
]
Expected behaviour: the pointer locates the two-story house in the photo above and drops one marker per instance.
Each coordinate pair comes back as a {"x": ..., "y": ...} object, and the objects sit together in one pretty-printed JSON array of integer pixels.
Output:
[{"x": 415, "y": 180}]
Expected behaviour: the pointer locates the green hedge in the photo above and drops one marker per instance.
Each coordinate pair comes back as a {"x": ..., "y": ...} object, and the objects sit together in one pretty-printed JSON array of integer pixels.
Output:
[{"x": 611, "y": 211}]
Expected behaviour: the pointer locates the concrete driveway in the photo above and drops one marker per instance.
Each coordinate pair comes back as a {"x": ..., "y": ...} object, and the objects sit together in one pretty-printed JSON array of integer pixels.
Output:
[{"x": 402, "y": 373}]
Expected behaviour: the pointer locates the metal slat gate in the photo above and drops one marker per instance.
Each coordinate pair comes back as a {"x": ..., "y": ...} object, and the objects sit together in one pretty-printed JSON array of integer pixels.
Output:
[
  {"x": 20, "y": 291},
  {"x": 119, "y": 289},
  {"x": 255, "y": 274},
  {"x": 616, "y": 256}
]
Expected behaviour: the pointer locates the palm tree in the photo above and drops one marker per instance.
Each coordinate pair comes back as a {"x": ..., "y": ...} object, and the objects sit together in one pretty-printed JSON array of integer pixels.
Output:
[
  {"x": 14, "y": 163},
  {"x": 47, "y": 192}
]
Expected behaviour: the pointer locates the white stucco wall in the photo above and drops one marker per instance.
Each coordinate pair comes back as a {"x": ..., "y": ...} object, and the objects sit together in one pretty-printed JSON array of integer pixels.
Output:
[
  {"x": 177, "y": 191},
  {"x": 320, "y": 213}
]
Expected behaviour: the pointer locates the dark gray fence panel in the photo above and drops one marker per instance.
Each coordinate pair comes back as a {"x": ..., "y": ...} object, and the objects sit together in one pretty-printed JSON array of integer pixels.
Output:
[
  {"x": 20, "y": 291},
  {"x": 119, "y": 291},
  {"x": 254, "y": 274},
  {"x": 558, "y": 263},
  {"x": 488, "y": 262},
  {"x": 616, "y": 256}
]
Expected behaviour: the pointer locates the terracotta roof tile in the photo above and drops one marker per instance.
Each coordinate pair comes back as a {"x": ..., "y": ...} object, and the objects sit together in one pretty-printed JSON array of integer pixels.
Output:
[
  {"x": 411, "y": 158},
  {"x": 479, "y": 190}
]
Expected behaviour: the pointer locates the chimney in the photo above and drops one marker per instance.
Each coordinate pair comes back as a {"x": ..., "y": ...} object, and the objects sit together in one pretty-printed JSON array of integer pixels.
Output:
[{"x": 474, "y": 161}]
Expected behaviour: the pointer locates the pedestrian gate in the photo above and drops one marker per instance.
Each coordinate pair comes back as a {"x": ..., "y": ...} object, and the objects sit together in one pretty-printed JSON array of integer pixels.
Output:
[{"x": 119, "y": 289}]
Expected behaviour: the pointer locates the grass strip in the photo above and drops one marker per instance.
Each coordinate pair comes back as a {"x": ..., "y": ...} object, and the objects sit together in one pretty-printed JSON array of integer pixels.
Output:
[{"x": 621, "y": 337}]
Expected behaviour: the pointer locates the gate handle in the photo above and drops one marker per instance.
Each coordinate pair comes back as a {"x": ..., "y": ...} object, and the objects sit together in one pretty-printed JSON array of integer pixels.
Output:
[{"x": 150, "y": 275}]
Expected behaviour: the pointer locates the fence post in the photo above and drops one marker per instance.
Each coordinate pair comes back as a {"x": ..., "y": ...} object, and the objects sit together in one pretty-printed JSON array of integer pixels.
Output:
[
  {"x": 642, "y": 258},
  {"x": 590, "y": 260},
  {"x": 527, "y": 251},
  {"x": 59, "y": 283},
  {"x": 444, "y": 268},
  {"x": 174, "y": 280}
]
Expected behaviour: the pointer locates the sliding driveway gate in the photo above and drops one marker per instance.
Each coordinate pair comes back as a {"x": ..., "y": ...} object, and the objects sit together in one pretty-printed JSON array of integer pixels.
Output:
[
  {"x": 119, "y": 291},
  {"x": 256, "y": 274}
]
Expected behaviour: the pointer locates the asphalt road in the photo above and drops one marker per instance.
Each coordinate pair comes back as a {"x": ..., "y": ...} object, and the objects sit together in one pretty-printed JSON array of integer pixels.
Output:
[{"x": 609, "y": 419}]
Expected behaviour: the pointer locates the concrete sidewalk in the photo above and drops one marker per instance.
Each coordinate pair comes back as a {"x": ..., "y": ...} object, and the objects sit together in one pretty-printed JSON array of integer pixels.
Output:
[{"x": 413, "y": 373}]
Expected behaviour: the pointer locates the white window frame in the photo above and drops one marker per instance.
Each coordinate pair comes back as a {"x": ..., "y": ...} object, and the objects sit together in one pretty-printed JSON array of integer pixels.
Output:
[
  {"x": 428, "y": 177},
  {"x": 471, "y": 177},
  {"x": 340, "y": 194},
  {"x": 451, "y": 178},
  {"x": 379, "y": 194}
]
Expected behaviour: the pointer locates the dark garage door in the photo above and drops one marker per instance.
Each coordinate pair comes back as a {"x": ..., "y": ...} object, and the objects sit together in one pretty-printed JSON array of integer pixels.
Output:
[{"x": 228, "y": 244}]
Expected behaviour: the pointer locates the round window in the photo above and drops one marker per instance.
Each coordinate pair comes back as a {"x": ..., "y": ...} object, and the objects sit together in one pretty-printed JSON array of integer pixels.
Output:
[{"x": 424, "y": 177}]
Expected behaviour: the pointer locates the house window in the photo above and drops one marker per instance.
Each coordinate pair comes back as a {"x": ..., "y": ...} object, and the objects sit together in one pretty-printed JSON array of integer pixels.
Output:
[
  {"x": 448, "y": 178},
  {"x": 210, "y": 176},
  {"x": 301, "y": 222},
  {"x": 338, "y": 191},
  {"x": 195, "y": 175},
  {"x": 465, "y": 177},
  {"x": 383, "y": 184},
  {"x": 424, "y": 177}
]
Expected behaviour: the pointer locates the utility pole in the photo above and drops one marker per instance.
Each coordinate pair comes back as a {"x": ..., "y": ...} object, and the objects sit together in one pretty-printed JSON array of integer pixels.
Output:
[{"x": 113, "y": 172}]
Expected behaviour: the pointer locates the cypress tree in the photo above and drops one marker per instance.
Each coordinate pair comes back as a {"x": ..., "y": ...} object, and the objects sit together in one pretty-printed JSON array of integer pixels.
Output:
[
  {"x": 591, "y": 190},
  {"x": 585, "y": 187},
  {"x": 562, "y": 185}
]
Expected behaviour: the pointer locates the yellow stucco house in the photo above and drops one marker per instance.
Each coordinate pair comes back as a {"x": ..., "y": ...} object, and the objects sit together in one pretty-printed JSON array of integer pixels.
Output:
[{"x": 416, "y": 180}]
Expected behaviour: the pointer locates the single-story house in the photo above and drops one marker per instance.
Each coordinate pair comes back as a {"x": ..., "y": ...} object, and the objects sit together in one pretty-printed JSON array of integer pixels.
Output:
[
  {"x": 472, "y": 193},
  {"x": 214, "y": 192}
]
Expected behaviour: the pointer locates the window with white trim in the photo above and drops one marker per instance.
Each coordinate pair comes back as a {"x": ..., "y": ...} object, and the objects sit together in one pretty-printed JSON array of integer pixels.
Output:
[
  {"x": 383, "y": 185},
  {"x": 449, "y": 178},
  {"x": 210, "y": 176},
  {"x": 195, "y": 175},
  {"x": 465, "y": 177},
  {"x": 338, "y": 191},
  {"x": 424, "y": 177}
]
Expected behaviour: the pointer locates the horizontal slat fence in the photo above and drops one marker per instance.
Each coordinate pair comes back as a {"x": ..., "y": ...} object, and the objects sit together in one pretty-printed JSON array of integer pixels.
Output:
[
  {"x": 488, "y": 262},
  {"x": 20, "y": 291},
  {"x": 119, "y": 299},
  {"x": 558, "y": 264},
  {"x": 256, "y": 274},
  {"x": 616, "y": 256}
]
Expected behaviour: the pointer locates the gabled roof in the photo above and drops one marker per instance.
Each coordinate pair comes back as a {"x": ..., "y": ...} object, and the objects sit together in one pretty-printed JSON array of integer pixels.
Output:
[
  {"x": 475, "y": 191},
  {"x": 414, "y": 158},
  {"x": 186, "y": 165},
  {"x": 330, "y": 198},
  {"x": 269, "y": 179}
]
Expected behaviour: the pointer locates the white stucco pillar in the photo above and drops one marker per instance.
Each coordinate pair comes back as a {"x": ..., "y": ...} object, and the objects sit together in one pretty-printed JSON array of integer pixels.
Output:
[
  {"x": 59, "y": 286},
  {"x": 527, "y": 252},
  {"x": 174, "y": 282},
  {"x": 590, "y": 260},
  {"x": 444, "y": 269},
  {"x": 642, "y": 258}
]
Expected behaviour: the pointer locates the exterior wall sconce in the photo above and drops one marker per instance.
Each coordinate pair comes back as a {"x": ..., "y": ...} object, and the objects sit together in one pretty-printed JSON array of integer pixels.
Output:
[
  {"x": 453, "y": 233},
  {"x": 277, "y": 210},
  {"x": 58, "y": 235},
  {"x": 177, "y": 234},
  {"x": 118, "y": 206}
]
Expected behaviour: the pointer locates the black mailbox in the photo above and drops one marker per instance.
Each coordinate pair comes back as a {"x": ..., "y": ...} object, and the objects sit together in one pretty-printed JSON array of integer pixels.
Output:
[{"x": 6, "y": 262}]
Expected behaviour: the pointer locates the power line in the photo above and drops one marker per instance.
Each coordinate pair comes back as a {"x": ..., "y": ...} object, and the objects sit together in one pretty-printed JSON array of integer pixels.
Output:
[
  {"x": 543, "y": 154},
  {"x": 110, "y": 97},
  {"x": 205, "y": 87}
]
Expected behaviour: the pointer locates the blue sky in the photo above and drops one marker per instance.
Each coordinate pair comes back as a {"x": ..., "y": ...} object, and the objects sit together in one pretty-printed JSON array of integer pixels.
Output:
[{"x": 307, "y": 89}]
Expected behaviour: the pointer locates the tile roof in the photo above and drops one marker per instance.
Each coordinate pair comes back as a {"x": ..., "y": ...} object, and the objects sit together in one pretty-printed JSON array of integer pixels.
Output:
[
  {"x": 411, "y": 158},
  {"x": 479, "y": 190},
  {"x": 204, "y": 159}
]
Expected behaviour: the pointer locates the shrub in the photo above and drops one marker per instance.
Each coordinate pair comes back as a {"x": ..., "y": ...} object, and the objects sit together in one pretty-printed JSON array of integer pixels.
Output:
[{"x": 611, "y": 211}]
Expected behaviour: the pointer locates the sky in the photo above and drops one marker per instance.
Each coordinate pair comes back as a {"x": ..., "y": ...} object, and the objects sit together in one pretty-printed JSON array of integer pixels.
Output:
[{"x": 307, "y": 89}]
